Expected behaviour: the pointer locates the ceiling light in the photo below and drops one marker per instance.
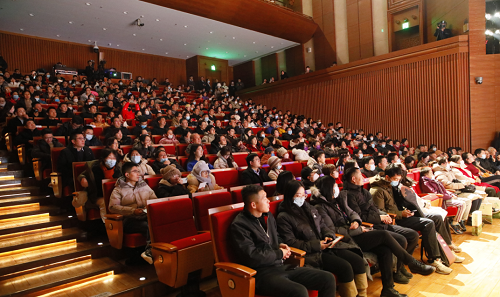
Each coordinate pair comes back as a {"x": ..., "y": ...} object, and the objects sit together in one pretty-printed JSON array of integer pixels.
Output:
[
  {"x": 117, "y": 45},
  {"x": 58, "y": 35},
  {"x": 69, "y": 217},
  {"x": 142, "y": 278},
  {"x": 32, "y": 14},
  {"x": 166, "y": 53},
  {"x": 488, "y": 16},
  {"x": 70, "y": 22},
  {"x": 497, "y": 14},
  {"x": 21, "y": 29},
  {"x": 272, "y": 46},
  {"x": 142, "y": 16},
  {"x": 497, "y": 32},
  {"x": 257, "y": 52},
  {"x": 104, "y": 29},
  {"x": 143, "y": 49},
  {"x": 187, "y": 56},
  {"x": 185, "y": 26},
  {"x": 161, "y": 39},
  {"x": 488, "y": 32},
  {"x": 90, "y": 40},
  {"x": 157, "y": 20},
  {"x": 185, "y": 43},
  {"x": 245, "y": 56},
  {"x": 234, "y": 37},
  {"x": 226, "y": 52},
  {"x": 109, "y": 43},
  {"x": 125, "y": 12},
  {"x": 207, "y": 48},
  {"x": 88, "y": 3},
  {"x": 254, "y": 42},
  {"x": 211, "y": 32},
  {"x": 134, "y": 34}
]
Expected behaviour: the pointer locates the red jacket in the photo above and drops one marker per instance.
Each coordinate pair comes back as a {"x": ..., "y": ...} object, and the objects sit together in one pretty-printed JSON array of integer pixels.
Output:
[
  {"x": 428, "y": 185},
  {"x": 129, "y": 115}
]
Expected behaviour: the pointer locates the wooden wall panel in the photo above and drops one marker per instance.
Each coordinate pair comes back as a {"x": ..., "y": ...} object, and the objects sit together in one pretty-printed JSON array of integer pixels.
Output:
[
  {"x": 295, "y": 61},
  {"x": 324, "y": 38},
  {"x": 269, "y": 67},
  {"x": 419, "y": 93},
  {"x": 221, "y": 69},
  {"x": 28, "y": 53},
  {"x": 454, "y": 12},
  {"x": 246, "y": 72},
  {"x": 360, "y": 29}
]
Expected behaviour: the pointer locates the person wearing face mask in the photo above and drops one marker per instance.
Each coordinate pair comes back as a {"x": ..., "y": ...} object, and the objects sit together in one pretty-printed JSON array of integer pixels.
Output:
[
  {"x": 169, "y": 138},
  {"x": 459, "y": 169},
  {"x": 390, "y": 197},
  {"x": 309, "y": 176},
  {"x": 162, "y": 161},
  {"x": 301, "y": 226},
  {"x": 483, "y": 162},
  {"x": 274, "y": 167},
  {"x": 268, "y": 153},
  {"x": 90, "y": 139},
  {"x": 300, "y": 152},
  {"x": 200, "y": 179},
  {"x": 225, "y": 159},
  {"x": 171, "y": 183},
  {"x": 288, "y": 135},
  {"x": 106, "y": 167},
  {"x": 368, "y": 169},
  {"x": 142, "y": 164},
  {"x": 142, "y": 124}
]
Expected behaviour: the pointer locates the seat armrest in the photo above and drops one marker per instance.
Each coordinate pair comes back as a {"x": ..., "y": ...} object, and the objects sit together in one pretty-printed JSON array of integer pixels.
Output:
[
  {"x": 114, "y": 217},
  {"x": 364, "y": 224},
  {"x": 236, "y": 269},
  {"x": 164, "y": 247},
  {"x": 297, "y": 252},
  {"x": 392, "y": 215},
  {"x": 425, "y": 194}
]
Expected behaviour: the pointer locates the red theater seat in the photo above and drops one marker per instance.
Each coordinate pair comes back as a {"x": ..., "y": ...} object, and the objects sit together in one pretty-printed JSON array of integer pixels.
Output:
[
  {"x": 294, "y": 167},
  {"x": 202, "y": 203},
  {"x": 226, "y": 178},
  {"x": 240, "y": 159}
]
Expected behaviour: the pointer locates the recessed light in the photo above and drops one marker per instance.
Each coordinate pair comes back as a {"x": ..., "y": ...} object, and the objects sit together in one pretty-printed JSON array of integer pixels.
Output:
[
  {"x": 143, "y": 49},
  {"x": 21, "y": 29},
  {"x": 142, "y": 278},
  {"x": 254, "y": 42},
  {"x": 207, "y": 48},
  {"x": 185, "y": 26},
  {"x": 32, "y": 14},
  {"x": 272, "y": 46},
  {"x": 185, "y": 43},
  {"x": 157, "y": 20},
  {"x": 166, "y": 53},
  {"x": 134, "y": 34},
  {"x": 58, "y": 35},
  {"x": 70, "y": 22},
  {"x": 88, "y": 3},
  {"x": 69, "y": 217},
  {"x": 227, "y": 53},
  {"x": 161, "y": 39},
  {"x": 99, "y": 243},
  {"x": 117, "y": 45},
  {"x": 90, "y": 40},
  {"x": 142, "y": 16},
  {"x": 125, "y": 12},
  {"x": 109, "y": 43},
  {"x": 187, "y": 56},
  {"x": 104, "y": 29},
  {"x": 211, "y": 32},
  {"x": 234, "y": 37}
]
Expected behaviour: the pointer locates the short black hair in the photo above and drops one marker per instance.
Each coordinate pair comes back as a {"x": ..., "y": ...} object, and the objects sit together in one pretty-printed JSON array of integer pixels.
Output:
[
  {"x": 87, "y": 128},
  {"x": 393, "y": 170},
  {"x": 248, "y": 193},
  {"x": 347, "y": 176},
  {"x": 47, "y": 131},
  {"x": 127, "y": 166},
  {"x": 391, "y": 156},
  {"x": 250, "y": 158},
  {"x": 379, "y": 159},
  {"x": 478, "y": 151}
]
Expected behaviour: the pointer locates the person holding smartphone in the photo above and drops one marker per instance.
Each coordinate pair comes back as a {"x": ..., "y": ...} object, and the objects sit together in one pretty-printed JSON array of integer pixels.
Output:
[{"x": 301, "y": 226}]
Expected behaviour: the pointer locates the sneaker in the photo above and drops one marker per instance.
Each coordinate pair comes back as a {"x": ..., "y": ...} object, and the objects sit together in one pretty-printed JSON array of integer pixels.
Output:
[
  {"x": 147, "y": 256},
  {"x": 495, "y": 210},
  {"x": 399, "y": 278},
  {"x": 456, "y": 229},
  {"x": 440, "y": 267},
  {"x": 405, "y": 272},
  {"x": 420, "y": 268},
  {"x": 455, "y": 248},
  {"x": 391, "y": 292},
  {"x": 458, "y": 259},
  {"x": 462, "y": 225}
]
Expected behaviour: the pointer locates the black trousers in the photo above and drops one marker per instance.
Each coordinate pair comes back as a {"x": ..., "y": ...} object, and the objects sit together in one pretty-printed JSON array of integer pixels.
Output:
[
  {"x": 442, "y": 227},
  {"x": 137, "y": 224},
  {"x": 278, "y": 281},
  {"x": 406, "y": 237},
  {"x": 428, "y": 229},
  {"x": 383, "y": 245},
  {"x": 343, "y": 263}
]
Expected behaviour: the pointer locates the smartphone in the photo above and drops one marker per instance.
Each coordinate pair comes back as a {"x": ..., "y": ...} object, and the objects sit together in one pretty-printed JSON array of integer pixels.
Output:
[
  {"x": 334, "y": 242},
  {"x": 202, "y": 185},
  {"x": 184, "y": 180}
]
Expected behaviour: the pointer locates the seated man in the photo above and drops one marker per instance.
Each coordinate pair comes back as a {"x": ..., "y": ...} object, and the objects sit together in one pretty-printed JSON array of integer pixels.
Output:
[
  {"x": 390, "y": 198},
  {"x": 381, "y": 162},
  {"x": 483, "y": 162},
  {"x": 42, "y": 148},
  {"x": 27, "y": 134},
  {"x": 90, "y": 138},
  {"x": 256, "y": 244},
  {"x": 115, "y": 123},
  {"x": 51, "y": 119},
  {"x": 90, "y": 112},
  {"x": 253, "y": 174},
  {"x": 142, "y": 124},
  {"x": 20, "y": 116},
  {"x": 196, "y": 139},
  {"x": 64, "y": 111},
  {"x": 184, "y": 125},
  {"x": 368, "y": 169},
  {"x": 76, "y": 151},
  {"x": 129, "y": 198},
  {"x": 69, "y": 128}
]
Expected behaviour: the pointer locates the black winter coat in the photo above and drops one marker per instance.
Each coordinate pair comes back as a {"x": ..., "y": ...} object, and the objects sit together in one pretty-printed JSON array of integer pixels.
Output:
[
  {"x": 360, "y": 200},
  {"x": 249, "y": 177},
  {"x": 66, "y": 159},
  {"x": 42, "y": 150},
  {"x": 171, "y": 191}
]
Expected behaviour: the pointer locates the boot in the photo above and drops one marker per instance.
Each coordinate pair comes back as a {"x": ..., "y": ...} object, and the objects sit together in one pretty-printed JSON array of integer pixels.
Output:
[
  {"x": 361, "y": 284},
  {"x": 347, "y": 289}
]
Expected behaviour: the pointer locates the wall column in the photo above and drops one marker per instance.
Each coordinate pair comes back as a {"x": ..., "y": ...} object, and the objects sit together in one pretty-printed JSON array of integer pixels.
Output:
[
  {"x": 341, "y": 40},
  {"x": 309, "y": 59},
  {"x": 380, "y": 28}
]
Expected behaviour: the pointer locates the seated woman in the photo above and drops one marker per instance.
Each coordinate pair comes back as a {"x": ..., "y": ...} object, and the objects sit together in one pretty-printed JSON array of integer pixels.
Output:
[
  {"x": 301, "y": 226},
  {"x": 423, "y": 160},
  {"x": 112, "y": 143},
  {"x": 461, "y": 173},
  {"x": 368, "y": 169},
  {"x": 274, "y": 167},
  {"x": 171, "y": 183},
  {"x": 162, "y": 161},
  {"x": 169, "y": 138},
  {"x": 268, "y": 153},
  {"x": 283, "y": 155},
  {"x": 283, "y": 178},
  {"x": 142, "y": 164},
  {"x": 145, "y": 146},
  {"x": 272, "y": 141},
  {"x": 196, "y": 154},
  {"x": 430, "y": 185},
  {"x": 300, "y": 152},
  {"x": 225, "y": 159},
  {"x": 339, "y": 217},
  {"x": 318, "y": 161},
  {"x": 122, "y": 140},
  {"x": 96, "y": 171},
  {"x": 200, "y": 179},
  {"x": 253, "y": 145},
  {"x": 409, "y": 162}
]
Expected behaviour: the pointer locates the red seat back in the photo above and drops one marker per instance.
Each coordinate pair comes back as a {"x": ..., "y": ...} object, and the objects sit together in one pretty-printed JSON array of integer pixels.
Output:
[
  {"x": 211, "y": 158},
  {"x": 295, "y": 168},
  {"x": 236, "y": 194},
  {"x": 169, "y": 149},
  {"x": 78, "y": 168},
  {"x": 203, "y": 203},
  {"x": 219, "y": 228},
  {"x": 270, "y": 188},
  {"x": 61, "y": 139},
  {"x": 108, "y": 186},
  {"x": 97, "y": 151},
  {"x": 240, "y": 159},
  {"x": 153, "y": 181},
  {"x": 181, "y": 149},
  {"x": 226, "y": 177},
  {"x": 54, "y": 155},
  {"x": 171, "y": 220},
  {"x": 273, "y": 207}
]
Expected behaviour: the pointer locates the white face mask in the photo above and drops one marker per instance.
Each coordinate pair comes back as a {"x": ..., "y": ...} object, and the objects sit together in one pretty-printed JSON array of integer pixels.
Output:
[
  {"x": 483, "y": 156},
  {"x": 299, "y": 201},
  {"x": 89, "y": 136},
  {"x": 170, "y": 136},
  {"x": 278, "y": 167},
  {"x": 360, "y": 156},
  {"x": 110, "y": 163},
  {"x": 75, "y": 100},
  {"x": 462, "y": 162},
  {"x": 136, "y": 159},
  {"x": 336, "y": 192},
  {"x": 315, "y": 177},
  {"x": 372, "y": 167}
]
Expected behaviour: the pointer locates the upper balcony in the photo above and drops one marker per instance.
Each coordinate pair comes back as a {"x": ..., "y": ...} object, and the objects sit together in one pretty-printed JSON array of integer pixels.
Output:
[{"x": 264, "y": 16}]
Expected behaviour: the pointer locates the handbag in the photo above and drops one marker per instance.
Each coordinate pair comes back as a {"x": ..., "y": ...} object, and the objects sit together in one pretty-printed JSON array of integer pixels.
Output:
[{"x": 468, "y": 189}]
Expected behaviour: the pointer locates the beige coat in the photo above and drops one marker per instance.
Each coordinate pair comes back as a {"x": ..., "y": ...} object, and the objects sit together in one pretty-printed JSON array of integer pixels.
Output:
[
  {"x": 459, "y": 175},
  {"x": 222, "y": 164},
  {"x": 193, "y": 184},
  {"x": 273, "y": 173},
  {"x": 300, "y": 155},
  {"x": 144, "y": 167},
  {"x": 446, "y": 178},
  {"x": 125, "y": 198}
]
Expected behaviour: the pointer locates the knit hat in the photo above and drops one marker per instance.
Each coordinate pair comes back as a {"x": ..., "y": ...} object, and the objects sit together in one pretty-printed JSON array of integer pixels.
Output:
[
  {"x": 273, "y": 162},
  {"x": 268, "y": 150},
  {"x": 306, "y": 172},
  {"x": 281, "y": 152},
  {"x": 169, "y": 172}
]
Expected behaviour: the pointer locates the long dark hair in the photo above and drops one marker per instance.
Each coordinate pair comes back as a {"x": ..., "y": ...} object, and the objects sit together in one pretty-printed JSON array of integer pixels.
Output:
[
  {"x": 291, "y": 189},
  {"x": 192, "y": 151},
  {"x": 230, "y": 160},
  {"x": 325, "y": 187},
  {"x": 283, "y": 178}
]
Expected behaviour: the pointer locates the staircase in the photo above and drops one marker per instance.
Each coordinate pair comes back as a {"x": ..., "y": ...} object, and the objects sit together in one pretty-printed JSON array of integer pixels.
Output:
[{"x": 43, "y": 252}]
